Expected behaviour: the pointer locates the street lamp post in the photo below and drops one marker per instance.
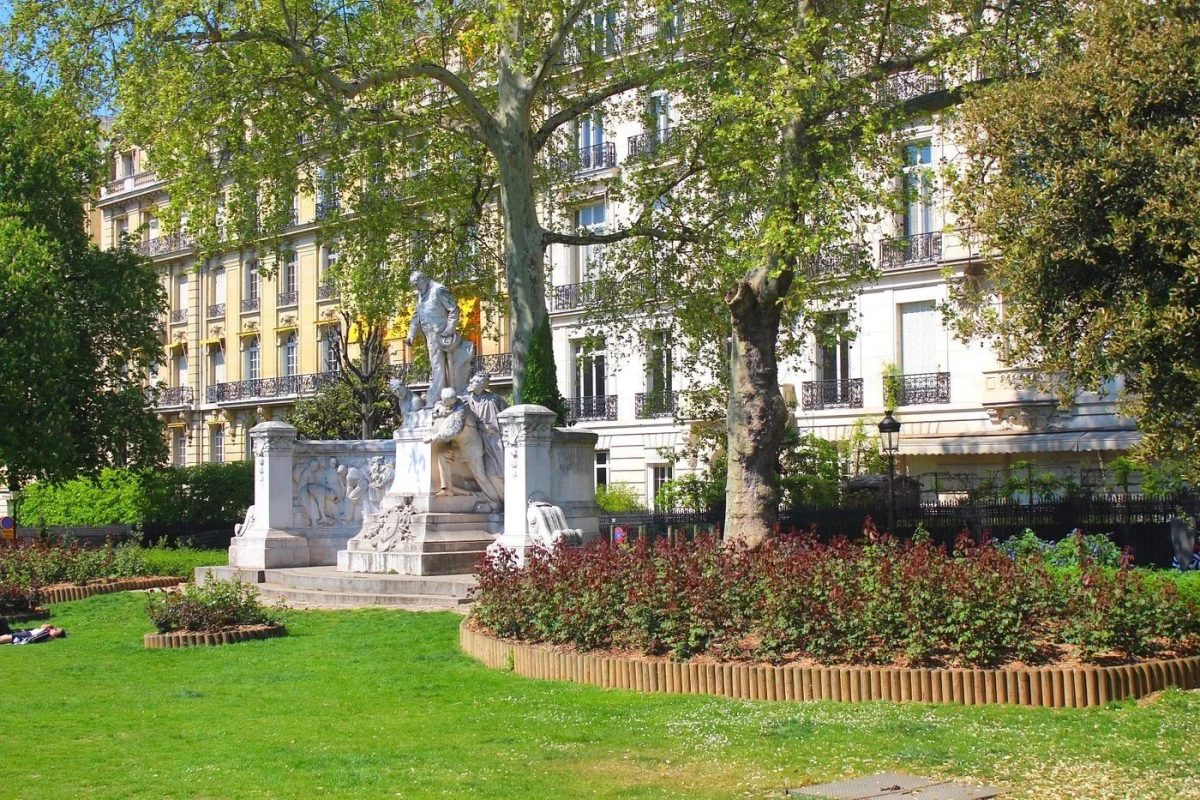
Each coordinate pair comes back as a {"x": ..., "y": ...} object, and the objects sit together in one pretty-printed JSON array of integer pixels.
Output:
[{"x": 889, "y": 435}]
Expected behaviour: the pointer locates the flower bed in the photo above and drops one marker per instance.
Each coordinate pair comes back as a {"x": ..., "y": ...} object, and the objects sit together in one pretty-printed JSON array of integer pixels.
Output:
[
  {"x": 886, "y": 603},
  {"x": 1052, "y": 687},
  {"x": 210, "y": 613}
]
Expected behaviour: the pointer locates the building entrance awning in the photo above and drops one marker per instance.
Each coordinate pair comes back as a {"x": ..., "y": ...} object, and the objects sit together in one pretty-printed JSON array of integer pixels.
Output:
[{"x": 1032, "y": 442}]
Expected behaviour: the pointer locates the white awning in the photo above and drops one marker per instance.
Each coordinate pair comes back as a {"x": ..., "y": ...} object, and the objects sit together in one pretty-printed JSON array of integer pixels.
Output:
[{"x": 1032, "y": 442}]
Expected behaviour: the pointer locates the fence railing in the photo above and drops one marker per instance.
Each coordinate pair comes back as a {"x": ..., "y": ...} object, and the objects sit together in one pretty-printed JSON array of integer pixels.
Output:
[
  {"x": 820, "y": 395},
  {"x": 570, "y": 296},
  {"x": 649, "y": 405},
  {"x": 161, "y": 245},
  {"x": 1136, "y": 522},
  {"x": 282, "y": 386},
  {"x": 179, "y": 315},
  {"x": 644, "y": 144},
  {"x": 596, "y": 407},
  {"x": 249, "y": 304},
  {"x": 920, "y": 248},
  {"x": 287, "y": 298},
  {"x": 215, "y": 310},
  {"x": 918, "y": 389},
  {"x": 176, "y": 396}
]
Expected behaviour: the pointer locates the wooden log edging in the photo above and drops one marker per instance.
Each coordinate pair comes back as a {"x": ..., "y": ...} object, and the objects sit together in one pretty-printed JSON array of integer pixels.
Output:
[
  {"x": 64, "y": 593},
  {"x": 154, "y": 641},
  {"x": 1051, "y": 687}
]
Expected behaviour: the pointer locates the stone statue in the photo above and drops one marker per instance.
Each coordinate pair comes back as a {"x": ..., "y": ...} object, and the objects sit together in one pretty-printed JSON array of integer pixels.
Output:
[
  {"x": 380, "y": 476},
  {"x": 357, "y": 491},
  {"x": 246, "y": 524},
  {"x": 487, "y": 406},
  {"x": 1183, "y": 542},
  {"x": 436, "y": 315},
  {"x": 547, "y": 524},
  {"x": 406, "y": 399},
  {"x": 319, "y": 492},
  {"x": 456, "y": 439}
]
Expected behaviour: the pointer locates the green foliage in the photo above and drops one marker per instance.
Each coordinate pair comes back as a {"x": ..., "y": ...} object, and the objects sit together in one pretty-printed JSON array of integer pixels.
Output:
[
  {"x": 892, "y": 386},
  {"x": 619, "y": 498},
  {"x": 1085, "y": 179},
  {"x": 211, "y": 606},
  {"x": 79, "y": 325},
  {"x": 810, "y": 471},
  {"x": 334, "y": 412},
  {"x": 139, "y": 498},
  {"x": 692, "y": 492},
  {"x": 540, "y": 386}
]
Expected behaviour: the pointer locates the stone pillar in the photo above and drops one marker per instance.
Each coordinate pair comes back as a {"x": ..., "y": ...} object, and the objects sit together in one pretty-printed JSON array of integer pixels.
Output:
[
  {"x": 268, "y": 542},
  {"x": 527, "y": 432}
]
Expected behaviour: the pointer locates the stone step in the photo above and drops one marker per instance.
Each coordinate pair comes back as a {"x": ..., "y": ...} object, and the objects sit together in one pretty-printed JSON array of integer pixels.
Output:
[
  {"x": 328, "y": 579},
  {"x": 312, "y": 597}
]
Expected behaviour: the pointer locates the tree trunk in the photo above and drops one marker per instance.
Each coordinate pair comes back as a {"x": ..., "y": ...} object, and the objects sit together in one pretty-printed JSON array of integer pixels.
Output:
[
  {"x": 757, "y": 411},
  {"x": 524, "y": 255}
]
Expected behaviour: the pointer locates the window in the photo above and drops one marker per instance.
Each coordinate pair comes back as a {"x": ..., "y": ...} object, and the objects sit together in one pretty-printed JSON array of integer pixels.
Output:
[
  {"x": 126, "y": 164},
  {"x": 218, "y": 286},
  {"x": 181, "y": 292},
  {"x": 660, "y": 113},
  {"x": 918, "y": 189},
  {"x": 216, "y": 365},
  {"x": 329, "y": 259},
  {"x": 920, "y": 337},
  {"x": 179, "y": 448},
  {"x": 601, "y": 468},
  {"x": 659, "y": 475},
  {"x": 591, "y": 131},
  {"x": 152, "y": 229},
  {"x": 289, "y": 357},
  {"x": 588, "y": 257},
  {"x": 253, "y": 359},
  {"x": 287, "y": 281},
  {"x": 181, "y": 369},
  {"x": 328, "y": 348},
  {"x": 327, "y": 193},
  {"x": 590, "y": 372},
  {"x": 252, "y": 281},
  {"x": 216, "y": 450},
  {"x": 833, "y": 348},
  {"x": 658, "y": 364},
  {"x": 120, "y": 229},
  {"x": 602, "y": 30}
]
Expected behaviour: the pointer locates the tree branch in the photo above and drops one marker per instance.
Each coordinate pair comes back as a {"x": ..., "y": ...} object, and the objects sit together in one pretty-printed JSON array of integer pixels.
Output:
[{"x": 555, "y": 45}]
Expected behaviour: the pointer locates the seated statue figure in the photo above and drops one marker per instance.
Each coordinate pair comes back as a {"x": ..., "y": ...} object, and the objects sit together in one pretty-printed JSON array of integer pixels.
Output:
[{"x": 457, "y": 439}]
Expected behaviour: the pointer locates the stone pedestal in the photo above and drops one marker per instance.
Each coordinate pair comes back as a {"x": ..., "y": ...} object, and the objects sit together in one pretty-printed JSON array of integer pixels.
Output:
[
  {"x": 417, "y": 532},
  {"x": 267, "y": 541}
]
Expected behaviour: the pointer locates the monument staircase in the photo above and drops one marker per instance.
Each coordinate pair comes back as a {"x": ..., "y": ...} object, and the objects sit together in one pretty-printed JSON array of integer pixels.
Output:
[{"x": 327, "y": 587}]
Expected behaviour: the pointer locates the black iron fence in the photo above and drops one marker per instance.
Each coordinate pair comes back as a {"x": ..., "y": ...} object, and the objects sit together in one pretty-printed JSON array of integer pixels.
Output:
[
  {"x": 819, "y": 395},
  {"x": 920, "y": 248},
  {"x": 1139, "y": 523}
]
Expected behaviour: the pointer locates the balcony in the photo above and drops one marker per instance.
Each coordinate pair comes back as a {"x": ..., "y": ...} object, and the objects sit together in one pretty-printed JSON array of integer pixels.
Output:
[
  {"x": 644, "y": 144},
  {"x": 822, "y": 395},
  {"x": 249, "y": 304},
  {"x": 327, "y": 208},
  {"x": 269, "y": 388},
  {"x": 834, "y": 261},
  {"x": 215, "y": 311},
  {"x": 905, "y": 86},
  {"x": 287, "y": 298},
  {"x": 651, "y": 405},
  {"x": 178, "y": 315},
  {"x": 176, "y": 396},
  {"x": 597, "y": 156},
  {"x": 927, "y": 388},
  {"x": 571, "y": 296},
  {"x": 324, "y": 291},
  {"x": 599, "y": 407},
  {"x": 905, "y": 251},
  {"x": 162, "y": 245},
  {"x": 128, "y": 183},
  {"x": 495, "y": 364}
]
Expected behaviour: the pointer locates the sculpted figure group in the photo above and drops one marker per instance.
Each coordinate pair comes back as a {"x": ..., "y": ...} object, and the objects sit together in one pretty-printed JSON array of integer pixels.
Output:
[{"x": 329, "y": 493}]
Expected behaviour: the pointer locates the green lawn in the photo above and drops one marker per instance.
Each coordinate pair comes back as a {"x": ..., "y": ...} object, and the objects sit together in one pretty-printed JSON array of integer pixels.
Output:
[{"x": 372, "y": 704}]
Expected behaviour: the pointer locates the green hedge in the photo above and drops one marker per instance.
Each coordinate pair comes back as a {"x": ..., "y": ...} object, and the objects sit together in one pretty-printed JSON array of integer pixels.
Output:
[{"x": 142, "y": 498}]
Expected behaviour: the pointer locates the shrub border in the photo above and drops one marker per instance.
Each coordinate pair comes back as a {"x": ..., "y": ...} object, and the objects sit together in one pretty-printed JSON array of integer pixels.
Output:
[
  {"x": 27, "y": 616},
  {"x": 154, "y": 641},
  {"x": 64, "y": 593},
  {"x": 1052, "y": 687}
]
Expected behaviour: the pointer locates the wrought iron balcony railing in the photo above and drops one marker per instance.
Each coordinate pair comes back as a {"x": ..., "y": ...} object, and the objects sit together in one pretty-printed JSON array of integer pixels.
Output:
[
  {"x": 598, "y": 407},
  {"x": 249, "y": 304},
  {"x": 288, "y": 298},
  {"x": 649, "y": 405},
  {"x": 820, "y": 395},
  {"x": 644, "y": 144},
  {"x": 905, "y": 86},
  {"x": 920, "y": 248},
  {"x": 178, "y": 315},
  {"x": 597, "y": 156},
  {"x": 327, "y": 208},
  {"x": 161, "y": 245},
  {"x": 267, "y": 388},
  {"x": 324, "y": 291},
  {"x": 495, "y": 364},
  {"x": 571, "y": 296},
  {"x": 926, "y": 388},
  {"x": 216, "y": 310},
  {"x": 176, "y": 396}
]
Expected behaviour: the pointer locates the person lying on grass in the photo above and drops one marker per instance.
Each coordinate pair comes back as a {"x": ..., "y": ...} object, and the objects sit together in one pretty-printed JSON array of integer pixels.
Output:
[{"x": 42, "y": 633}]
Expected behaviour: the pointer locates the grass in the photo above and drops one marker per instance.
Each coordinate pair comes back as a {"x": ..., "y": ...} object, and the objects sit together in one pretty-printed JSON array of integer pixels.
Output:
[
  {"x": 379, "y": 704},
  {"x": 181, "y": 561}
]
